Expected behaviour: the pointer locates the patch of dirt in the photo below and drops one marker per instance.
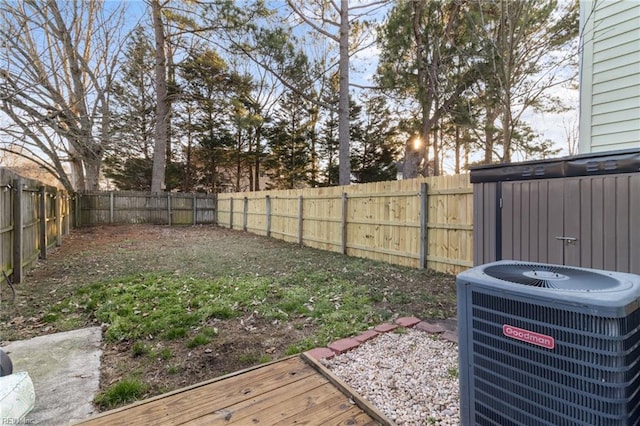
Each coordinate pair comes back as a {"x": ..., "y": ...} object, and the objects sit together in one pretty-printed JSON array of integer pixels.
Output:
[{"x": 91, "y": 254}]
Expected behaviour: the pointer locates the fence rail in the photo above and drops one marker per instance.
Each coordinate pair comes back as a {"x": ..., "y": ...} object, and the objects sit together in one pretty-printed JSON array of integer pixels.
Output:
[
  {"x": 423, "y": 223},
  {"x": 34, "y": 217},
  {"x": 102, "y": 207}
]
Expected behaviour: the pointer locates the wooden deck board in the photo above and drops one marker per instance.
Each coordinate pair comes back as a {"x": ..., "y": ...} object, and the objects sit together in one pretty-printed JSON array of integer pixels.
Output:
[
  {"x": 269, "y": 402},
  {"x": 289, "y": 391}
]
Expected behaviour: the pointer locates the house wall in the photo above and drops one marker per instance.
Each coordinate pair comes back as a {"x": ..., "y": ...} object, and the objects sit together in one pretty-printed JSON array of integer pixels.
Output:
[{"x": 610, "y": 75}]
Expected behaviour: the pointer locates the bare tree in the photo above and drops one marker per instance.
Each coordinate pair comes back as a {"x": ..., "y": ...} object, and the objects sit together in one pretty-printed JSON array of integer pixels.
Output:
[
  {"x": 57, "y": 63},
  {"x": 571, "y": 134},
  {"x": 529, "y": 52},
  {"x": 162, "y": 104}
]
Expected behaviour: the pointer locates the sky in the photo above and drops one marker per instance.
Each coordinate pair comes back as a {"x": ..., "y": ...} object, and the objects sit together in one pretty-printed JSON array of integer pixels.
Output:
[{"x": 550, "y": 126}]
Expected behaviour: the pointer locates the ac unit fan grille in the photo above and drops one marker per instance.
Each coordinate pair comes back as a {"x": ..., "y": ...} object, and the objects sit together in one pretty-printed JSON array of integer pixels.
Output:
[
  {"x": 552, "y": 276},
  {"x": 591, "y": 376}
]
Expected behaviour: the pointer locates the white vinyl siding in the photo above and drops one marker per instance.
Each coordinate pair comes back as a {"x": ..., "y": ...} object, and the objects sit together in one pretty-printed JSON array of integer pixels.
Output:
[{"x": 610, "y": 75}]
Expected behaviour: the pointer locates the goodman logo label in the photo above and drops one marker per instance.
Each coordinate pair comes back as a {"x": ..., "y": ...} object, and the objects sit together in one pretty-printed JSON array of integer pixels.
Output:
[{"x": 528, "y": 336}]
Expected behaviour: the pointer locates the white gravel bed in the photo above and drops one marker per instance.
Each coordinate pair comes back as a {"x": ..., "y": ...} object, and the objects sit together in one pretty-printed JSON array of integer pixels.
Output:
[{"x": 411, "y": 376}]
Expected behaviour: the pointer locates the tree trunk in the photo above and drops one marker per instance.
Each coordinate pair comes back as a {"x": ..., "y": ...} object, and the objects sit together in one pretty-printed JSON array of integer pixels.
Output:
[
  {"x": 250, "y": 154},
  {"x": 489, "y": 134},
  {"x": 343, "y": 104},
  {"x": 238, "y": 161},
  {"x": 457, "y": 166},
  {"x": 256, "y": 182},
  {"x": 188, "y": 174},
  {"x": 436, "y": 151},
  {"x": 467, "y": 140},
  {"x": 314, "y": 161},
  {"x": 506, "y": 132},
  {"x": 170, "y": 70},
  {"x": 413, "y": 155},
  {"x": 77, "y": 171},
  {"x": 419, "y": 152},
  {"x": 162, "y": 107},
  {"x": 92, "y": 173}
]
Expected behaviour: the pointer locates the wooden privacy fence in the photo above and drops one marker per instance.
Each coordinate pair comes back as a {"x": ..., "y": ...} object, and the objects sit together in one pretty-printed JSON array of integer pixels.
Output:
[
  {"x": 102, "y": 207},
  {"x": 422, "y": 223},
  {"x": 33, "y": 218}
]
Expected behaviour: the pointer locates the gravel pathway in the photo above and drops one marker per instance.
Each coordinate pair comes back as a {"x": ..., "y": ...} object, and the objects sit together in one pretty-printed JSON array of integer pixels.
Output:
[{"x": 411, "y": 376}]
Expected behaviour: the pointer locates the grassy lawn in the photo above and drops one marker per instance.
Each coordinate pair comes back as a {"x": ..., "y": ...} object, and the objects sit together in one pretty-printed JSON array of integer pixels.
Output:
[{"x": 182, "y": 305}]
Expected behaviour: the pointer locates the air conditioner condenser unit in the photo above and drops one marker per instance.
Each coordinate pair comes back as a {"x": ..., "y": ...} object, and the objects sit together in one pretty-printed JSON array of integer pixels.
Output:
[{"x": 547, "y": 344}]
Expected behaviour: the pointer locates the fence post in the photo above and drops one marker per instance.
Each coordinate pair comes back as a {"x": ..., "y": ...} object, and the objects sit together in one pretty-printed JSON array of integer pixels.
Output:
[
  {"x": 57, "y": 200},
  {"x": 76, "y": 215},
  {"x": 18, "y": 224},
  {"x": 268, "y": 208},
  {"x": 67, "y": 218},
  {"x": 42, "y": 212},
  {"x": 111, "y": 207},
  {"x": 230, "y": 212},
  {"x": 215, "y": 209},
  {"x": 423, "y": 226},
  {"x": 344, "y": 223},
  {"x": 195, "y": 210},
  {"x": 300, "y": 218},
  {"x": 245, "y": 209}
]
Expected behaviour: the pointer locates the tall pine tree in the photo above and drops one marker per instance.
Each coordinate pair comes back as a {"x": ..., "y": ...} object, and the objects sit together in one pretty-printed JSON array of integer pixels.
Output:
[
  {"x": 288, "y": 162},
  {"x": 128, "y": 161},
  {"x": 375, "y": 145}
]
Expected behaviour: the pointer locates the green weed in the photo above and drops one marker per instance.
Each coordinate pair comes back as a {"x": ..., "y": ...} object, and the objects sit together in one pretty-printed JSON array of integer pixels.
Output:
[
  {"x": 453, "y": 372},
  {"x": 139, "y": 349},
  {"x": 209, "y": 332},
  {"x": 198, "y": 340},
  {"x": 301, "y": 346},
  {"x": 175, "y": 333},
  {"x": 50, "y": 317},
  {"x": 126, "y": 390},
  {"x": 69, "y": 323},
  {"x": 165, "y": 354},
  {"x": 252, "y": 359}
]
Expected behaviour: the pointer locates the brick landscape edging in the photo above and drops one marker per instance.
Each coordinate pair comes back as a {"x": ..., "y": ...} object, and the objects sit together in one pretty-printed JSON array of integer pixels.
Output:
[{"x": 344, "y": 345}]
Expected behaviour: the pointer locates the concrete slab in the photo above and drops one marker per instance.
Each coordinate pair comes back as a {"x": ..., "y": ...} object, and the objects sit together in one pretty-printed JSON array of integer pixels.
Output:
[{"x": 65, "y": 370}]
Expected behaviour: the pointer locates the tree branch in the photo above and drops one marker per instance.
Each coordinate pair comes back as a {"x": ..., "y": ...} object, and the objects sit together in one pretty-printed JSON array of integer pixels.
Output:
[{"x": 313, "y": 24}]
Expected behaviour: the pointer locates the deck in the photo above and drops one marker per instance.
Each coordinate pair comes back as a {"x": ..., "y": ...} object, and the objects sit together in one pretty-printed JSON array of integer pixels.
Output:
[{"x": 294, "y": 390}]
